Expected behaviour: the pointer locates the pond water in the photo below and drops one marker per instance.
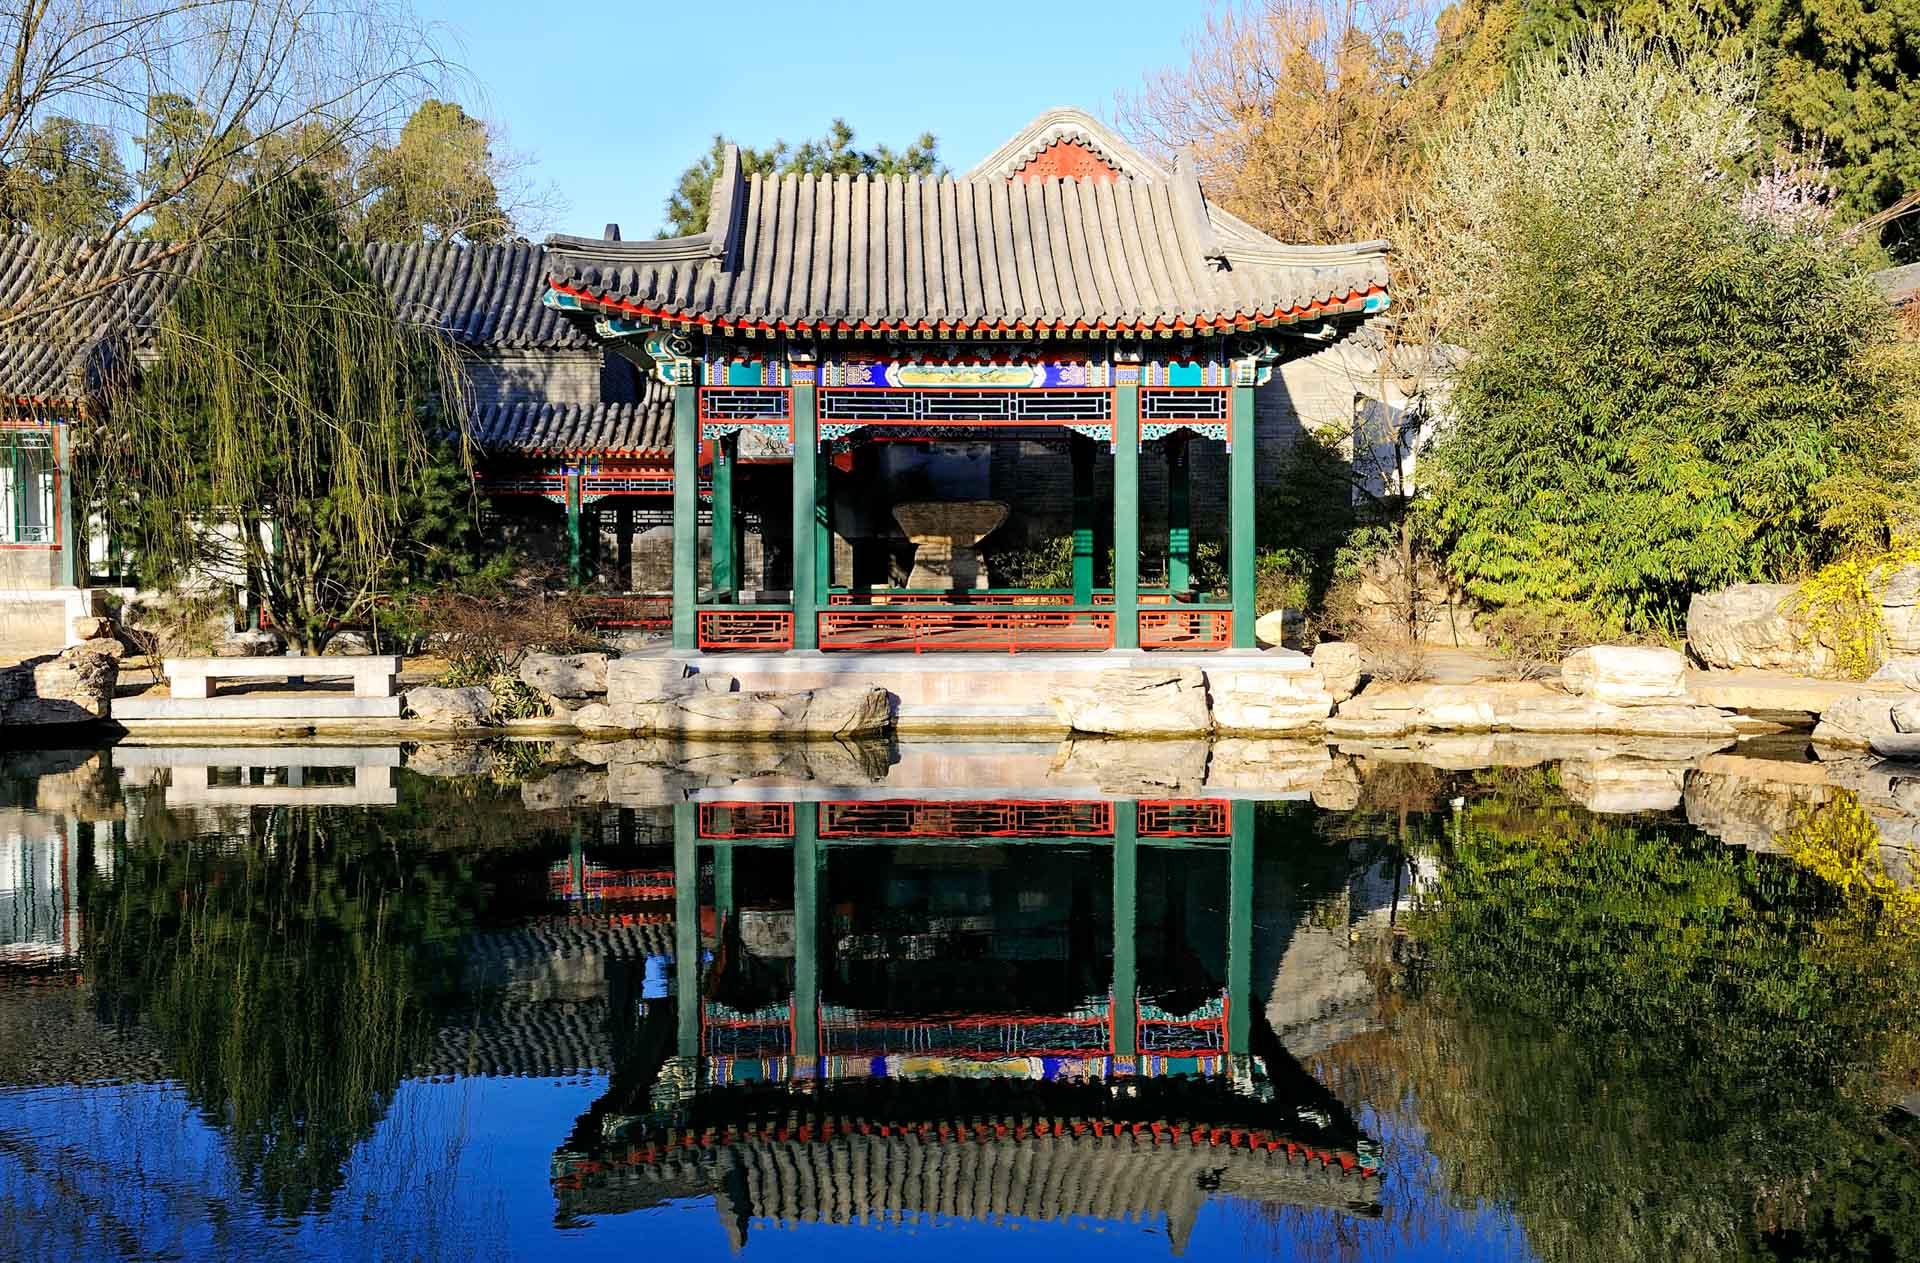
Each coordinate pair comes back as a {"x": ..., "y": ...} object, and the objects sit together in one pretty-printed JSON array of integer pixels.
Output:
[{"x": 494, "y": 1003}]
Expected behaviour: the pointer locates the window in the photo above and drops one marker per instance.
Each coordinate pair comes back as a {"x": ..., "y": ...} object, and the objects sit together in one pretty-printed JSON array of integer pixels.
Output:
[{"x": 26, "y": 487}]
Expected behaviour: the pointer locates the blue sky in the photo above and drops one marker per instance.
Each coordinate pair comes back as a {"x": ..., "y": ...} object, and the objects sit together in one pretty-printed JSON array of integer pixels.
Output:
[{"x": 614, "y": 102}]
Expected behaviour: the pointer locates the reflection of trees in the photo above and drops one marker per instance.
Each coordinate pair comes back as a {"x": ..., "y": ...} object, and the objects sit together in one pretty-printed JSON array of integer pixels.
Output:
[
  {"x": 289, "y": 978},
  {"x": 1650, "y": 1045}
]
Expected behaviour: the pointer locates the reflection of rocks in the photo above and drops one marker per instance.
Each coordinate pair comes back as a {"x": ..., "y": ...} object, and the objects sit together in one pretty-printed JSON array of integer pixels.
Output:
[
  {"x": 566, "y": 788},
  {"x": 450, "y": 758},
  {"x": 1139, "y": 769},
  {"x": 1272, "y": 767},
  {"x": 87, "y": 790},
  {"x": 1751, "y": 802},
  {"x": 1466, "y": 752},
  {"x": 1623, "y": 786},
  {"x": 658, "y": 771}
]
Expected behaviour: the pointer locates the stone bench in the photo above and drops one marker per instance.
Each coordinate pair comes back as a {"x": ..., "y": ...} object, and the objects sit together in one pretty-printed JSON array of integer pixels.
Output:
[{"x": 372, "y": 676}]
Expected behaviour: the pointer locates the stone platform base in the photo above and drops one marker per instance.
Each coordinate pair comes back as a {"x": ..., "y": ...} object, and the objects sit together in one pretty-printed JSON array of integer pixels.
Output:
[
  {"x": 970, "y": 693},
  {"x": 256, "y": 707}
]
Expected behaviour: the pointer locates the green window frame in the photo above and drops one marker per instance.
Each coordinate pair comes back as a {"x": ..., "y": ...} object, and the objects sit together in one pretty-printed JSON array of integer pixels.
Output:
[{"x": 28, "y": 504}]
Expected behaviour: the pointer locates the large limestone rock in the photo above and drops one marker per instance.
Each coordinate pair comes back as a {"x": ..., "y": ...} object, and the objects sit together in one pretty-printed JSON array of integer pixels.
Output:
[
  {"x": 470, "y": 707},
  {"x": 1756, "y": 625},
  {"x": 1383, "y": 712},
  {"x": 1269, "y": 700},
  {"x": 633, "y": 680},
  {"x": 74, "y": 687},
  {"x": 1626, "y": 675},
  {"x": 1900, "y": 610},
  {"x": 565, "y": 681},
  {"x": 1854, "y": 722},
  {"x": 690, "y": 710},
  {"x": 1902, "y": 670},
  {"x": 1281, "y": 627},
  {"x": 254, "y": 643},
  {"x": 1138, "y": 702},
  {"x": 1338, "y": 662},
  {"x": 347, "y": 644}
]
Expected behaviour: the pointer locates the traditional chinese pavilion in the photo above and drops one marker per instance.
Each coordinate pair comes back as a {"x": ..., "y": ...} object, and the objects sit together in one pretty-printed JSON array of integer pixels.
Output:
[{"x": 1068, "y": 319}]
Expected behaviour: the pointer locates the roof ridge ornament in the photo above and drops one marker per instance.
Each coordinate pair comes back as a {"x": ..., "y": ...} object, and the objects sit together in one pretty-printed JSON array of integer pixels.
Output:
[
  {"x": 721, "y": 240},
  {"x": 1064, "y": 122}
]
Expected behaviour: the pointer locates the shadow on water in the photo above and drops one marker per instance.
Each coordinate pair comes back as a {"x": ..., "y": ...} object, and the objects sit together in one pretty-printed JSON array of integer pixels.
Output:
[{"x": 1242, "y": 999}]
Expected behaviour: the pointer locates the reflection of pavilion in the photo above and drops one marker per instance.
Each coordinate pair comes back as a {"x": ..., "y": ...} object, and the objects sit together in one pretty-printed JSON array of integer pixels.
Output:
[{"x": 979, "y": 1011}]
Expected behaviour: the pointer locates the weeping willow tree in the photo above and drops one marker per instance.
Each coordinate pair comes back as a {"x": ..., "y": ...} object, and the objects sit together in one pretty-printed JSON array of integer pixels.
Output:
[{"x": 292, "y": 432}]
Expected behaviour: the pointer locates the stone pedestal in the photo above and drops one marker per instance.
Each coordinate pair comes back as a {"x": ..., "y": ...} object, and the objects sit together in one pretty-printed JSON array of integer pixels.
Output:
[{"x": 944, "y": 534}]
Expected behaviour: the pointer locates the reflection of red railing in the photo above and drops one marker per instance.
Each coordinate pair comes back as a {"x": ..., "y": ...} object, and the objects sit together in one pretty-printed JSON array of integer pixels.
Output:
[
  {"x": 1186, "y": 627},
  {"x": 652, "y": 613},
  {"x": 610, "y": 883},
  {"x": 933, "y": 630},
  {"x": 746, "y": 820},
  {"x": 1183, "y": 818},
  {"x": 904, "y": 818},
  {"x": 745, "y": 628}
]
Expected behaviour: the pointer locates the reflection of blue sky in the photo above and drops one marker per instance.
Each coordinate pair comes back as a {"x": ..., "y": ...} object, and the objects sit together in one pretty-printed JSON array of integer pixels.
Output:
[{"x": 460, "y": 1170}]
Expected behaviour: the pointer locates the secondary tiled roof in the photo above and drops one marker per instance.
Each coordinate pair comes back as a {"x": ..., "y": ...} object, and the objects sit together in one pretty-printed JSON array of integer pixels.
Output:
[
  {"x": 983, "y": 255},
  {"x": 547, "y": 429},
  {"x": 484, "y": 297}
]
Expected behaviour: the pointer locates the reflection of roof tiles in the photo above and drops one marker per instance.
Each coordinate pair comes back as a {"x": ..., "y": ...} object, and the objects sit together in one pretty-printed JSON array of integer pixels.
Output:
[
  {"x": 550, "y": 1039},
  {"x": 547, "y": 429},
  {"x": 879, "y": 1179}
]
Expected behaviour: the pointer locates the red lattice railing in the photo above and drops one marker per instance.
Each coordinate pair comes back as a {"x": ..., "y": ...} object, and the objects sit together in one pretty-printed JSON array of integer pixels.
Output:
[
  {"x": 933, "y": 630},
  {"x": 745, "y": 628},
  {"x": 1186, "y": 627},
  {"x": 989, "y": 597},
  {"x": 746, "y": 820},
  {"x": 1013, "y": 818},
  {"x": 1183, "y": 818}
]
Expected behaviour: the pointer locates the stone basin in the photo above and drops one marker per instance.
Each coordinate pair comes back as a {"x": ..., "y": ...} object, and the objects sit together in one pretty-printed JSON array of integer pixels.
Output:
[{"x": 944, "y": 533}]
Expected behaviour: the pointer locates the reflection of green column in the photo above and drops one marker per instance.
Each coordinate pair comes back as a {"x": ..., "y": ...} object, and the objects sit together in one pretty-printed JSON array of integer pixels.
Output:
[
  {"x": 1240, "y": 930},
  {"x": 686, "y": 930},
  {"x": 807, "y": 863},
  {"x": 806, "y": 509},
  {"x": 1240, "y": 497},
  {"x": 1126, "y": 517},
  {"x": 686, "y": 514},
  {"x": 726, "y": 582},
  {"x": 1179, "y": 517},
  {"x": 577, "y": 863},
  {"x": 1081, "y": 453},
  {"x": 1126, "y": 980},
  {"x": 722, "y": 887}
]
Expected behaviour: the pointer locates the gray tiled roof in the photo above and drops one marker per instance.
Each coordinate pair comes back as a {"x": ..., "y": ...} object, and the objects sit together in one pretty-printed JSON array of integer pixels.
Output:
[
  {"x": 547, "y": 429},
  {"x": 484, "y": 297},
  {"x": 984, "y": 254}
]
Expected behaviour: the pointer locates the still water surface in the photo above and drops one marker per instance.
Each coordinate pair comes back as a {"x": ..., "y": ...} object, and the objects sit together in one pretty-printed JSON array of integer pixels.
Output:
[{"x": 335, "y": 1009}]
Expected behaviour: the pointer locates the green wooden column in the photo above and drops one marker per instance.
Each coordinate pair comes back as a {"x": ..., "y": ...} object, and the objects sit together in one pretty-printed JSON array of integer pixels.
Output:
[
  {"x": 822, "y": 530},
  {"x": 1240, "y": 528},
  {"x": 1125, "y": 1002},
  {"x": 576, "y": 549},
  {"x": 722, "y": 886},
  {"x": 686, "y": 930},
  {"x": 1179, "y": 516},
  {"x": 1081, "y": 453},
  {"x": 726, "y": 571},
  {"x": 806, "y": 511},
  {"x": 1240, "y": 928},
  {"x": 686, "y": 514},
  {"x": 1126, "y": 517},
  {"x": 808, "y": 860}
]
